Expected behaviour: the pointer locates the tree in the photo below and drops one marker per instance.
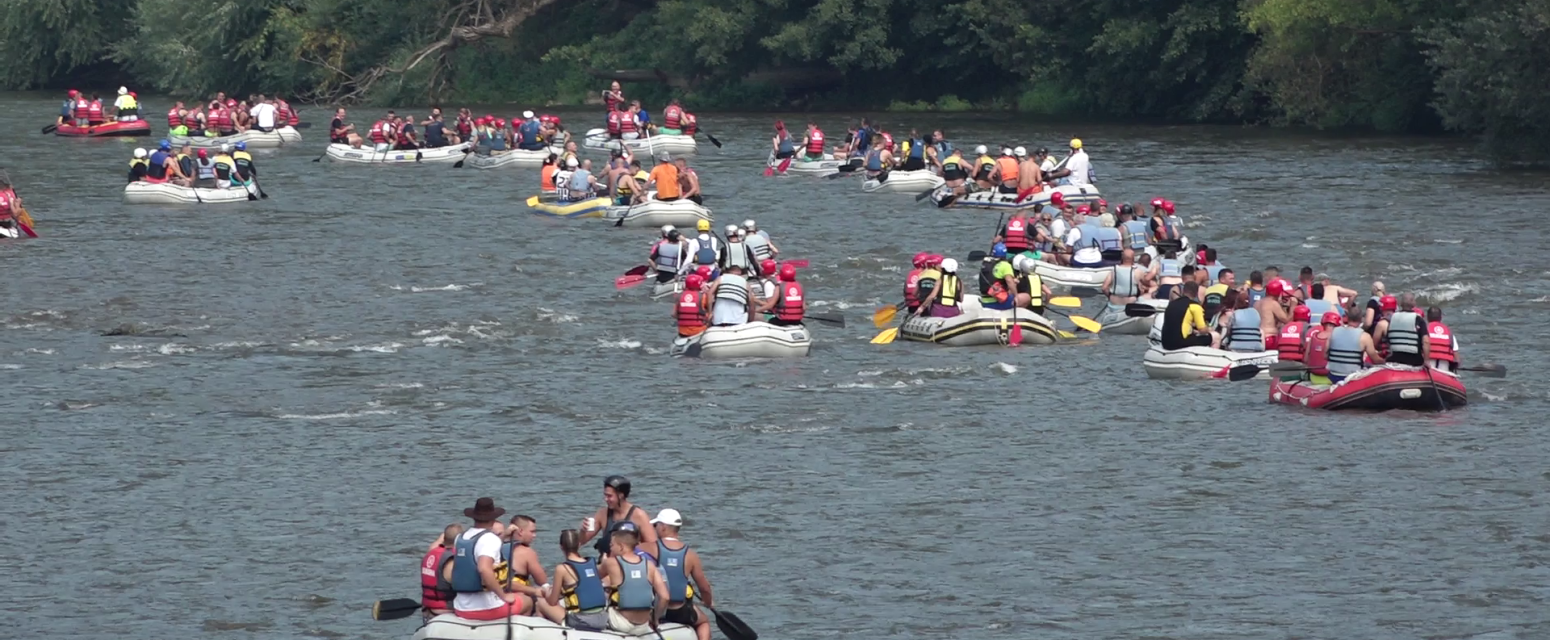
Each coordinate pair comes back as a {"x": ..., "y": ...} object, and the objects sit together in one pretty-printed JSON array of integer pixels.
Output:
[{"x": 1492, "y": 78}]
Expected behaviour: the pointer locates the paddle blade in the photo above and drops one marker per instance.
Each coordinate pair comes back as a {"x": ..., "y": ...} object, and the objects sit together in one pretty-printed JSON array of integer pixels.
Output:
[
  {"x": 1017, "y": 335},
  {"x": 625, "y": 282},
  {"x": 831, "y": 318},
  {"x": 1487, "y": 370},
  {"x": 976, "y": 256},
  {"x": 1086, "y": 324},
  {"x": 1138, "y": 310},
  {"x": 712, "y": 139},
  {"x": 886, "y": 336},
  {"x": 458, "y": 164},
  {"x": 533, "y": 201},
  {"x": 50, "y": 128},
  {"x": 733, "y": 627},
  {"x": 394, "y": 609},
  {"x": 800, "y": 264},
  {"x": 27, "y": 229},
  {"x": 784, "y": 165},
  {"x": 639, "y": 271},
  {"x": 884, "y": 316},
  {"x": 769, "y": 170},
  {"x": 1071, "y": 302},
  {"x": 1065, "y": 334},
  {"x": 24, "y": 217},
  {"x": 1244, "y": 372}
]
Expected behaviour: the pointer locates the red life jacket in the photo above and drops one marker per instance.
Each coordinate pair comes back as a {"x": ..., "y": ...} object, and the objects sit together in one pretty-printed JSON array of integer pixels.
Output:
[
  {"x": 435, "y": 591},
  {"x": 283, "y": 114},
  {"x": 190, "y": 120},
  {"x": 295, "y": 116},
  {"x": 379, "y": 131},
  {"x": 815, "y": 142},
  {"x": 627, "y": 122},
  {"x": 1440, "y": 338},
  {"x": 1289, "y": 347},
  {"x": 403, "y": 138},
  {"x": 789, "y": 307},
  {"x": 912, "y": 288},
  {"x": 887, "y": 141},
  {"x": 691, "y": 124},
  {"x": 1316, "y": 353},
  {"x": 689, "y": 316},
  {"x": 7, "y": 197},
  {"x": 219, "y": 119},
  {"x": 465, "y": 127},
  {"x": 94, "y": 111},
  {"x": 615, "y": 123},
  {"x": 174, "y": 119},
  {"x": 82, "y": 108},
  {"x": 1016, "y": 236},
  {"x": 672, "y": 117},
  {"x": 611, "y": 101}
]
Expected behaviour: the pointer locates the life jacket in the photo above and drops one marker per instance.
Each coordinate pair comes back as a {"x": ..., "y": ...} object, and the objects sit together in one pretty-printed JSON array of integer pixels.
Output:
[
  {"x": 1245, "y": 336},
  {"x": 667, "y": 256},
  {"x": 379, "y": 131},
  {"x": 546, "y": 177},
  {"x": 204, "y": 169},
  {"x": 612, "y": 100},
  {"x": 887, "y": 140},
  {"x": 1166, "y": 230},
  {"x": 465, "y": 570},
  {"x": 7, "y": 197},
  {"x": 951, "y": 288},
  {"x": 587, "y": 594},
  {"x": 190, "y": 119},
  {"x": 1125, "y": 284},
  {"x": 1440, "y": 339},
  {"x": 82, "y": 108},
  {"x": 789, "y": 307},
  {"x": 689, "y": 315},
  {"x": 953, "y": 169},
  {"x": 285, "y": 115},
  {"x": 627, "y": 122},
  {"x": 785, "y": 145},
  {"x": 1170, "y": 268},
  {"x": 225, "y": 166},
  {"x": 435, "y": 590},
  {"x": 403, "y": 138},
  {"x": 690, "y": 124},
  {"x": 94, "y": 111},
  {"x": 530, "y": 133},
  {"x": 1135, "y": 234},
  {"x": 219, "y": 119},
  {"x": 706, "y": 253},
  {"x": 912, "y": 288},
  {"x": 186, "y": 164},
  {"x": 815, "y": 142},
  {"x": 174, "y": 119},
  {"x": 1008, "y": 169},
  {"x": 984, "y": 165},
  {"x": 156, "y": 171},
  {"x": 1016, "y": 235},
  {"x": 874, "y": 160},
  {"x": 1345, "y": 351},
  {"x": 1316, "y": 351},
  {"x": 1289, "y": 346},
  {"x": 672, "y": 117},
  {"x": 917, "y": 149},
  {"x": 635, "y": 592},
  {"x": 615, "y": 122},
  {"x": 1402, "y": 336},
  {"x": 988, "y": 279},
  {"x": 243, "y": 161},
  {"x": 465, "y": 127}
]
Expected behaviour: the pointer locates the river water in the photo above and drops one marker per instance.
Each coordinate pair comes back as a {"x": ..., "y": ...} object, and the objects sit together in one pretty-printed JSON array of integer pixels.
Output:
[{"x": 312, "y": 386}]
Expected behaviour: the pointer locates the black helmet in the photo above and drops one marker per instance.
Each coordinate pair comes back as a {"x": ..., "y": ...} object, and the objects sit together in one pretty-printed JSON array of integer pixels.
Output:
[
  {"x": 1126, "y": 209},
  {"x": 620, "y": 484},
  {"x": 673, "y": 236}
]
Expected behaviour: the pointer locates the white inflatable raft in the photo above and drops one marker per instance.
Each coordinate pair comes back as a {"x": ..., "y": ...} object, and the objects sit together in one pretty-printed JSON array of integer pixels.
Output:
[
  {"x": 513, "y": 158},
  {"x": 167, "y": 193},
  {"x": 978, "y": 326},
  {"x": 256, "y": 139},
  {"x": 1071, "y": 277},
  {"x": 799, "y": 167},
  {"x": 365, "y": 155},
  {"x": 654, "y": 146},
  {"x": 1115, "y": 321},
  {"x": 751, "y": 340},
  {"x": 1199, "y": 363},
  {"x": 995, "y": 199},
  {"x": 903, "y": 182},
  {"x": 451, "y": 627},
  {"x": 661, "y": 290},
  {"x": 655, "y": 213}
]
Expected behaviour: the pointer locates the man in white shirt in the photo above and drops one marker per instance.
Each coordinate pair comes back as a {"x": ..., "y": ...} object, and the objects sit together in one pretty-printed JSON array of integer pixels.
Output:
[
  {"x": 1078, "y": 167},
  {"x": 263, "y": 113},
  {"x": 480, "y": 596}
]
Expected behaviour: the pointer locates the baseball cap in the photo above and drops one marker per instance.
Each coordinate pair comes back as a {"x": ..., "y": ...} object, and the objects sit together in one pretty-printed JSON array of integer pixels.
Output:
[{"x": 669, "y": 517}]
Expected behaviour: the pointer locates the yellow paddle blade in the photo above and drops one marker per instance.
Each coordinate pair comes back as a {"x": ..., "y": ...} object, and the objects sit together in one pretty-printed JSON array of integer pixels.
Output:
[
  {"x": 24, "y": 217},
  {"x": 1065, "y": 334},
  {"x": 1066, "y": 301},
  {"x": 884, "y": 316},
  {"x": 886, "y": 336},
  {"x": 533, "y": 201},
  {"x": 1086, "y": 324}
]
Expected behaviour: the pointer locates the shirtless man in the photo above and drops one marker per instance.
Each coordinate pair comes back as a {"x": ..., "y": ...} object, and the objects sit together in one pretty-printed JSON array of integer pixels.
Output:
[
  {"x": 524, "y": 566},
  {"x": 1028, "y": 175},
  {"x": 1275, "y": 310},
  {"x": 616, "y": 509}
]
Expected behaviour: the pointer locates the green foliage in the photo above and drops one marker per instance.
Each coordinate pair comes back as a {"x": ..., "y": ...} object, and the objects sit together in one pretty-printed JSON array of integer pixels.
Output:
[
  {"x": 1492, "y": 77},
  {"x": 43, "y": 41}
]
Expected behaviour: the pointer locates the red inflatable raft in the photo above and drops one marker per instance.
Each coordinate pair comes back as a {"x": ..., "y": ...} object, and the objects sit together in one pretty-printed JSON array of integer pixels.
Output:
[
  {"x": 106, "y": 130},
  {"x": 1378, "y": 389}
]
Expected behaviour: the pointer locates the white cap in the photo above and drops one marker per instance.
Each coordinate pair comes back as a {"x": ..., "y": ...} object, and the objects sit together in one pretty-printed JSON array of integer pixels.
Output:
[
  {"x": 527, "y": 115},
  {"x": 748, "y": 224},
  {"x": 1006, "y": 151},
  {"x": 669, "y": 517},
  {"x": 139, "y": 153},
  {"x": 1021, "y": 152},
  {"x": 981, "y": 150},
  {"x": 571, "y": 162},
  {"x": 950, "y": 265},
  {"x": 123, "y": 90}
]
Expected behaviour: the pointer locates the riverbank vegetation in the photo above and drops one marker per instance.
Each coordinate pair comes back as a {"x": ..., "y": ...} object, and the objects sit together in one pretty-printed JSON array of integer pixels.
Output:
[{"x": 1385, "y": 65}]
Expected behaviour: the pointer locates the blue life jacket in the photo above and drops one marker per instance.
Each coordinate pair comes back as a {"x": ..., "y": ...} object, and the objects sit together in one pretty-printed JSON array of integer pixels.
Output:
[
  {"x": 1215, "y": 270},
  {"x": 530, "y": 135},
  {"x": 1245, "y": 336},
  {"x": 706, "y": 254},
  {"x": 635, "y": 592},
  {"x": 589, "y": 586},
  {"x": 672, "y": 565},
  {"x": 1135, "y": 233},
  {"x": 1317, "y": 308},
  {"x": 874, "y": 160},
  {"x": 917, "y": 149},
  {"x": 786, "y": 146},
  {"x": 465, "y": 567}
]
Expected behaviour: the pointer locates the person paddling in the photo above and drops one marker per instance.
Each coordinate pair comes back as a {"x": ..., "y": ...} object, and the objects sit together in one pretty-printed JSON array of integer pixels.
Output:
[
  {"x": 684, "y": 574},
  {"x": 1442, "y": 346}
]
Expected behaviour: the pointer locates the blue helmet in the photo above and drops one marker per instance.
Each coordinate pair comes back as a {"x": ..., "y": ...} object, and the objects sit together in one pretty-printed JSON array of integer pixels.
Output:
[
  {"x": 998, "y": 251},
  {"x": 165, "y": 145},
  {"x": 242, "y": 146}
]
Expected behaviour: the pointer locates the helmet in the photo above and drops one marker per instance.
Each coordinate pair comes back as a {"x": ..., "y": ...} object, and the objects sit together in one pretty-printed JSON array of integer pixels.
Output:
[
  {"x": 998, "y": 250},
  {"x": 202, "y": 153},
  {"x": 981, "y": 150},
  {"x": 950, "y": 265},
  {"x": 1021, "y": 152},
  {"x": 73, "y": 92},
  {"x": 665, "y": 229},
  {"x": 139, "y": 153},
  {"x": 1168, "y": 206},
  {"x": 164, "y": 145},
  {"x": 123, "y": 90},
  {"x": 225, "y": 148},
  {"x": 704, "y": 271},
  {"x": 768, "y": 266},
  {"x": 242, "y": 146},
  {"x": 527, "y": 115},
  {"x": 620, "y": 484},
  {"x": 934, "y": 260},
  {"x": 1388, "y": 303},
  {"x": 788, "y": 273},
  {"x": 920, "y": 259},
  {"x": 1102, "y": 202},
  {"x": 1020, "y": 263},
  {"x": 1076, "y": 143},
  {"x": 694, "y": 282},
  {"x": 1275, "y": 288},
  {"x": 572, "y": 162},
  {"x": 1127, "y": 209},
  {"x": 703, "y": 225},
  {"x": 500, "y": 123},
  {"x": 749, "y": 225},
  {"x": 1157, "y": 203},
  {"x": 1084, "y": 209},
  {"x": 1330, "y": 317},
  {"x": 1057, "y": 199},
  {"x": 674, "y": 236},
  {"x": 1006, "y": 151},
  {"x": 231, "y": 102},
  {"x": 1301, "y": 313},
  {"x": 732, "y": 230}
]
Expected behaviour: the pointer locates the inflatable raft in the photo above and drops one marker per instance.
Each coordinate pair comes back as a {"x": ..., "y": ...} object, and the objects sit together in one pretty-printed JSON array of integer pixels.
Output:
[
  {"x": 1115, "y": 321},
  {"x": 451, "y": 627},
  {"x": 653, "y": 146},
  {"x": 591, "y": 208},
  {"x": 978, "y": 326},
  {"x": 1379, "y": 388},
  {"x": 440, "y": 155},
  {"x": 1199, "y": 363},
  {"x": 903, "y": 182},
  {"x": 751, "y": 340},
  {"x": 1071, "y": 277},
  {"x": 661, "y": 290},
  {"x": 514, "y": 158},
  {"x": 167, "y": 193},
  {"x": 256, "y": 139},
  {"x": 105, "y": 130},
  {"x": 995, "y": 199},
  {"x": 799, "y": 167},
  {"x": 655, "y": 213}
]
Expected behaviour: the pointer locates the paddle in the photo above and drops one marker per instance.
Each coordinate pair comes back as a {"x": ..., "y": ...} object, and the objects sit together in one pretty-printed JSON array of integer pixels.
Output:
[
  {"x": 533, "y": 201},
  {"x": 1083, "y": 323},
  {"x": 1139, "y": 310},
  {"x": 302, "y": 125},
  {"x": 732, "y": 626},
  {"x": 784, "y": 165},
  {"x": 24, "y": 221},
  {"x": 639, "y": 271},
  {"x": 1070, "y": 302},
  {"x": 885, "y": 315},
  {"x": 1487, "y": 370},
  {"x": 625, "y": 282},
  {"x": 1244, "y": 372},
  {"x": 320, "y": 158},
  {"x": 1016, "y": 337},
  {"x": 928, "y": 193},
  {"x": 975, "y": 256},
  {"x": 769, "y": 167},
  {"x": 829, "y": 318},
  {"x": 50, "y": 128},
  {"x": 886, "y": 336},
  {"x": 800, "y": 264},
  {"x": 712, "y": 139},
  {"x": 394, "y": 609},
  {"x": 248, "y": 186},
  {"x": 459, "y": 163}
]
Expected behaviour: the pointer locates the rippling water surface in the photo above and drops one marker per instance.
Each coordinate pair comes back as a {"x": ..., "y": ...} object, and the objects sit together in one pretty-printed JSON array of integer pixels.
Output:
[{"x": 306, "y": 389}]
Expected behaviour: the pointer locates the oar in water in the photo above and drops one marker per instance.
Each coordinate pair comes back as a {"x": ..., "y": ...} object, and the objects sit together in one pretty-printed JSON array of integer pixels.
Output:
[
  {"x": 394, "y": 609},
  {"x": 1016, "y": 336},
  {"x": 51, "y": 128},
  {"x": 800, "y": 264},
  {"x": 1245, "y": 372},
  {"x": 1086, "y": 324},
  {"x": 829, "y": 318},
  {"x": 886, "y": 336},
  {"x": 1139, "y": 310},
  {"x": 1069, "y": 302},
  {"x": 712, "y": 139},
  {"x": 732, "y": 626},
  {"x": 884, "y": 315},
  {"x": 632, "y": 277},
  {"x": 975, "y": 256},
  {"x": 459, "y": 163}
]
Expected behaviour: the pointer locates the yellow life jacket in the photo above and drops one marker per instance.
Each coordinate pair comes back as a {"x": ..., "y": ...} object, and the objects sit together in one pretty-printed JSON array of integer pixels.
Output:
[
  {"x": 1035, "y": 289},
  {"x": 950, "y": 287}
]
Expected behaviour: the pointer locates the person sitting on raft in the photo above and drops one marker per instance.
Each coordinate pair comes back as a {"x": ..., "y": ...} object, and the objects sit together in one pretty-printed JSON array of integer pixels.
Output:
[
  {"x": 138, "y": 166},
  {"x": 945, "y": 300},
  {"x": 529, "y": 134},
  {"x": 1184, "y": 323}
]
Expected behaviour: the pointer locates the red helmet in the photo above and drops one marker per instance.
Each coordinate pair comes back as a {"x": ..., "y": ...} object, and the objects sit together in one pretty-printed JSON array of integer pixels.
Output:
[
  {"x": 1057, "y": 199},
  {"x": 203, "y": 154},
  {"x": 489, "y": 116},
  {"x": 1102, "y": 202},
  {"x": 231, "y": 102},
  {"x": 1275, "y": 288},
  {"x": 73, "y": 92},
  {"x": 920, "y": 259},
  {"x": 935, "y": 260},
  {"x": 768, "y": 266},
  {"x": 1084, "y": 209},
  {"x": 1168, "y": 206},
  {"x": 1157, "y": 203},
  {"x": 1301, "y": 313},
  {"x": 788, "y": 273},
  {"x": 1388, "y": 303},
  {"x": 694, "y": 282},
  {"x": 704, "y": 271},
  {"x": 1330, "y": 317},
  {"x": 500, "y": 123}
]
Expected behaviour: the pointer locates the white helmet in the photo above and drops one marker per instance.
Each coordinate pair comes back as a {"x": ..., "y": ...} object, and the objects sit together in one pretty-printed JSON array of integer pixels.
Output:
[
  {"x": 139, "y": 153},
  {"x": 1021, "y": 152},
  {"x": 666, "y": 229},
  {"x": 950, "y": 266},
  {"x": 1023, "y": 263},
  {"x": 981, "y": 150},
  {"x": 1006, "y": 151},
  {"x": 527, "y": 115},
  {"x": 732, "y": 230},
  {"x": 123, "y": 90},
  {"x": 749, "y": 225},
  {"x": 571, "y": 162},
  {"x": 226, "y": 148}
]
